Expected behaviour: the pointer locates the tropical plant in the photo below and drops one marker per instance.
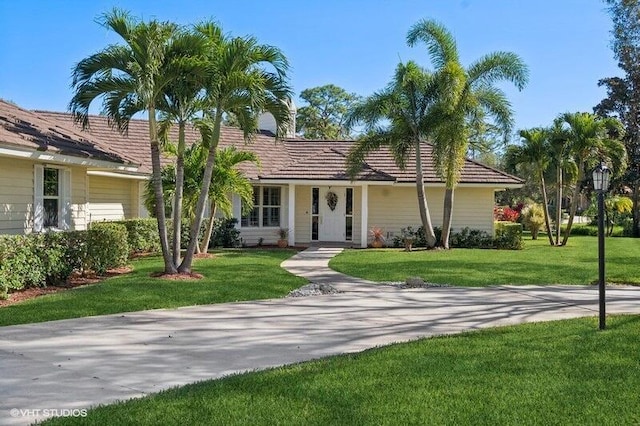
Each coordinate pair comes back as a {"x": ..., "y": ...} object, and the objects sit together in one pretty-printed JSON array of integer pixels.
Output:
[
  {"x": 533, "y": 154},
  {"x": 130, "y": 77},
  {"x": 466, "y": 98},
  {"x": 533, "y": 219},
  {"x": 398, "y": 117},
  {"x": 243, "y": 78},
  {"x": 227, "y": 179},
  {"x": 591, "y": 139}
]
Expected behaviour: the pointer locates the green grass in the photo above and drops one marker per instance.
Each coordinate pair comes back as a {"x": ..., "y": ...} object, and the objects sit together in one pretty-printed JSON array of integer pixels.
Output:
[
  {"x": 233, "y": 275},
  {"x": 562, "y": 372},
  {"x": 538, "y": 263}
]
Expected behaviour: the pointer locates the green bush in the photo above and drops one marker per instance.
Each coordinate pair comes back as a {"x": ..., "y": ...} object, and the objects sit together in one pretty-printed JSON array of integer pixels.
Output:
[
  {"x": 588, "y": 230},
  {"x": 107, "y": 246},
  {"x": 225, "y": 234},
  {"x": 471, "y": 238},
  {"x": 508, "y": 236},
  {"x": 142, "y": 235}
]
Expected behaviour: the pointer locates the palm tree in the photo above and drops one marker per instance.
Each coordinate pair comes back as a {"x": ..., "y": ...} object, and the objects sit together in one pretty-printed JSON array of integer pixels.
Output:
[
  {"x": 180, "y": 105},
  {"x": 130, "y": 77},
  {"x": 398, "y": 117},
  {"x": 591, "y": 139},
  {"x": 534, "y": 152},
  {"x": 564, "y": 165},
  {"x": 466, "y": 98},
  {"x": 227, "y": 179},
  {"x": 239, "y": 82}
]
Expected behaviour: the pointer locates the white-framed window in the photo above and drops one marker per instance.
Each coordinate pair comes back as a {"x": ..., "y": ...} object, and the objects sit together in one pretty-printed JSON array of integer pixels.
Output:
[
  {"x": 52, "y": 198},
  {"x": 267, "y": 208}
]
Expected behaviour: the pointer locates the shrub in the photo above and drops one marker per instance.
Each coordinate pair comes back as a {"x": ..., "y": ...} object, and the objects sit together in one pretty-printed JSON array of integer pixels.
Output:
[
  {"x": 142, "y": 235},
  {"x": 589, "y": 230},
  {"x": 38, "y": 260},
  {"x": 107, "y": 246},
  {"x": 533, "y": 218},
  {"x": 508, "y": 236},
  {"x": 225, "y": 234},
  {"x": 627, "y": 227},
  {"x": 471, "y": 238}
]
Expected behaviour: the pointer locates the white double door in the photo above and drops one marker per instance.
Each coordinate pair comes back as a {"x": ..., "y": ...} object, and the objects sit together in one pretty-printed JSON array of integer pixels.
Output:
[{"x": 331, "y": 222}]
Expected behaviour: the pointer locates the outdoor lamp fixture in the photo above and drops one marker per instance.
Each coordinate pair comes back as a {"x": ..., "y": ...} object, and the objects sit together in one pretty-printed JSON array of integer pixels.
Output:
[{"x": 601, "y": 175}]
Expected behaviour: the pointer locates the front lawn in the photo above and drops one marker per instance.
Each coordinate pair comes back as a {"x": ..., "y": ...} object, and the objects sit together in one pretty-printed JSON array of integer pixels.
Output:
[
  {"x": 561, "y": 372},
  {"x": 232, "y": 275},
  {"x": 538, "y": 263}
]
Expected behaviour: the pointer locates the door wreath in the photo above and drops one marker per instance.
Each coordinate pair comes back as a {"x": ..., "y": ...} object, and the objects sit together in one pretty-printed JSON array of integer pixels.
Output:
[{"x": 332, "y": 200}]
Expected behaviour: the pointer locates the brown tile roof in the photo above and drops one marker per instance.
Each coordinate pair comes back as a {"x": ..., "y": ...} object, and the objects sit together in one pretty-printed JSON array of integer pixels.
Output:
[
  {"x": 136, "y": 141},
  {"x": 295, "y": 159},
  {"x": 325, "y": 160},
  {"x": 26, "y": 129}
]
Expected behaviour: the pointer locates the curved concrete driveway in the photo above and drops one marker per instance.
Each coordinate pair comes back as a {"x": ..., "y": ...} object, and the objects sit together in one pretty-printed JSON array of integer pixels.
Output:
[{"x": 82, "y": 362}]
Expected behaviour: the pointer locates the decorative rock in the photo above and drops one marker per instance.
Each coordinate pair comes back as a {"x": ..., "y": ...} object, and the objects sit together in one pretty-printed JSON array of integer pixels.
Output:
[
  {"x": 414, "y": 282},
  {"x": 313, "y": 290}
]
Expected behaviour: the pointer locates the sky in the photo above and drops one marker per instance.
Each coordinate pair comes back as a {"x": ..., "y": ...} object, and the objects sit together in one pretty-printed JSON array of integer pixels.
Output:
[{"x": 354, "y": 44}]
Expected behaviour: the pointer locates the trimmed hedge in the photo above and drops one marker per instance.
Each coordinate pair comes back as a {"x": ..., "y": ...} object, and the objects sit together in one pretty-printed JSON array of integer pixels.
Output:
[
  {"x": 142, "y": 235},
  {"x": 107, "y": 246},
  {"x": 508, "y": 236},
  {"x": 38, "y": 260}
]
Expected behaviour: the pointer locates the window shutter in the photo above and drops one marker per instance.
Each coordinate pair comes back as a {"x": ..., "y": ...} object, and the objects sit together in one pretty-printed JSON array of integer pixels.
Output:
[
  {"x": 65, "y": 200},
  {"x": 38, "y": 190}
]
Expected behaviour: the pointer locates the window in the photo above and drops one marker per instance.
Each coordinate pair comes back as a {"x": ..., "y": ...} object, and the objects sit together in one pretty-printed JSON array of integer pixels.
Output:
[
  {"x": 349, "y": 215},
  {"x": 266, "y": 208},
  {"x": 51, "y": 197},
  {"x": 52, "y": 193}
]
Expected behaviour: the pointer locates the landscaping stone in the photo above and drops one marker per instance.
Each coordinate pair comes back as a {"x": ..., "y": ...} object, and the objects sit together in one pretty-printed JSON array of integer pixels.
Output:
[
  {"x": 414, "y": 282},
  {"x": 313, "y": 290}
]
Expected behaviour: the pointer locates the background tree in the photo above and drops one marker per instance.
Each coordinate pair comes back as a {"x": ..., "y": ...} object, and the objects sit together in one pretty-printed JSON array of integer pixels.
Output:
[
  {"x": 466, "y": 99},
  {"x": 398, "y": 117},
  {"x": 591, "y": 139},
  {"x": 533, "y": 155},
  {"x": 623, "y": 93},
  {"x": 325, "y": 115},
  {"x": 130, "y": 77}
]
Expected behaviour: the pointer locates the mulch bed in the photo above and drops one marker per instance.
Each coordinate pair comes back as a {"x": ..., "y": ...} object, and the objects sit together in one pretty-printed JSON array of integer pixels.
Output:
[{"x": 73, "y": 282}]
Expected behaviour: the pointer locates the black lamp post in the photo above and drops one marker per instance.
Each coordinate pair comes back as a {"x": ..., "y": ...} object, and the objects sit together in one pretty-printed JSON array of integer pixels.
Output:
[{"x": 601, "y": 176}]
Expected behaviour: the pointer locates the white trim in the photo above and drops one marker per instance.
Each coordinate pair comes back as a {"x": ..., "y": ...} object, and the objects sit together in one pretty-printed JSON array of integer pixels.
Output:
[
  {"x": 64, "y": 159},
  {"x": 38, "y": 197},
  {"x": 118, "y": 175},
  {"x": 292, "y": 215},
  {"x": 64, "y": 220},
  {"x": 364, "y": 216}
]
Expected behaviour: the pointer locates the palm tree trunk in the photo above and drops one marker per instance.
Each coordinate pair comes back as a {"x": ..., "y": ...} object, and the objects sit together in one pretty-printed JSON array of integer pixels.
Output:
[
  {"x": 178, "y": 196},
  {"x": 446, "y": 220},
  {"x": 185, "y": 266},
  {"x": 425, "y": 216},
  {"x": 558, "y": 203},
  {"x": 574, "y": 203},
  {"x": 169, "y": 265},
  {"x": 207, "y": 235},
  {"x": 635, "y": 232},
  {"x": 545, "y": 201}
]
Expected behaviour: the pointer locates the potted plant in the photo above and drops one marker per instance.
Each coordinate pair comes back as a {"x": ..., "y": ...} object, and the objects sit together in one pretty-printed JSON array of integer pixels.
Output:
[
  {"x": 283, "y": 233},
  {"x": 378, "y": 237}
]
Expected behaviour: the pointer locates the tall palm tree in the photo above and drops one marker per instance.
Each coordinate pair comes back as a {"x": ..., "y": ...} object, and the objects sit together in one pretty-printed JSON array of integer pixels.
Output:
[
  {"x": 467, "y": 97},
  {"x": 564, "y": 165},
  {"x": 180, "y": 105},
  {"x": 130, "y": 77},
  {"x": 534, "y": 152},
  {"x": 398, "y": 117},
  {"x": 592, "y": 139},
  {"x": 244, "y": 78}
]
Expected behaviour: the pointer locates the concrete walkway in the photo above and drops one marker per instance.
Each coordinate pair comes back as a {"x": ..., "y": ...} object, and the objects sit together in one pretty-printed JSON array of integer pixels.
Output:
[{"x": 74, "y": 364}]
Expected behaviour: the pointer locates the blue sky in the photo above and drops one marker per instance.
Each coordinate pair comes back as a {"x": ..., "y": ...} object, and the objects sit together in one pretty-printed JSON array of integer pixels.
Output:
[{"x": 351, "y": 43}]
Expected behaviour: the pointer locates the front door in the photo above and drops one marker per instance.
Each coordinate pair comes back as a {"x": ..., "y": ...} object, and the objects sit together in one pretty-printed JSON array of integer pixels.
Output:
[{"x": 330, "y": 216}]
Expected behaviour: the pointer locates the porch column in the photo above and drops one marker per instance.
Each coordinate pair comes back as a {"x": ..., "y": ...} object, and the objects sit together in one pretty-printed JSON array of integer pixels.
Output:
[
  {"x": 237, "y": 209},
  {"x": 292, "y": 215},
  {"x": 364, "y": 216}
]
